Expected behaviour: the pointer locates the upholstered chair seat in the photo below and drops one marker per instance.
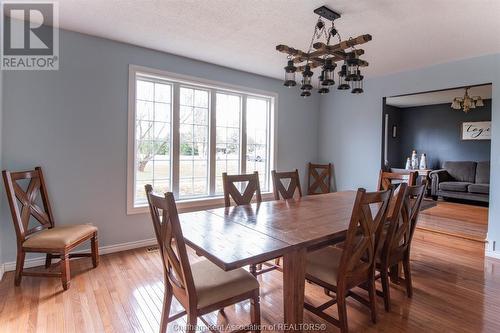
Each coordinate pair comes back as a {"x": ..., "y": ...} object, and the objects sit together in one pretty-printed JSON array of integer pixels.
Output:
[
  {"x": 214, "y": 285},
  {"x": 324, "y": 264},
  {"x": 59, "y": 237}
]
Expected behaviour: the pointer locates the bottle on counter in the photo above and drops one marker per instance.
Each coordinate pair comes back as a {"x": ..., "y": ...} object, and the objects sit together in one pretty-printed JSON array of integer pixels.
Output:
[
  {"x": 408, "y": 164},
  {"x": 414, "y": 160},
  {"x": 423, "y": 162}
]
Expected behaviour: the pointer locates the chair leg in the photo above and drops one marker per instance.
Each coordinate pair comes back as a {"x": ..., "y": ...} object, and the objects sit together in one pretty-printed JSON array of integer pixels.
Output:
[
  {"x": 167, "y": 301},
  {"x": 65, "y": 272},
  {"x": 373, "y": 299},
  {"x": 191, "y": 323},
  {"x": 255, "y": 312},
  {"x": 277, "y": 261},
  {"x": 253, "y": 270},
  {"x": 259, "y": 267},
  {"x": 384, "y": 277},
  {"x": 48, "y": 260},
  {"x": 342, "y": 310},
  {"x": 407, "y": 270},
  {"x": 19, "y": 267},
  {"x": 94, "y": 243},
  {"x": 394, "y": 273}
]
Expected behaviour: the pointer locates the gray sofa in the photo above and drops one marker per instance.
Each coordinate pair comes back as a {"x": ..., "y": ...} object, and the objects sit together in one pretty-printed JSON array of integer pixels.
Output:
[{"x": 462, "y": 180}]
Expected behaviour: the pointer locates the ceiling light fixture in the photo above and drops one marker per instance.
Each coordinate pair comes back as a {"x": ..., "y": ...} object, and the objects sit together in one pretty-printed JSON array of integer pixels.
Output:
[
  {"x": 466, "y": 103},
  {"x": 326, "y": 56}
]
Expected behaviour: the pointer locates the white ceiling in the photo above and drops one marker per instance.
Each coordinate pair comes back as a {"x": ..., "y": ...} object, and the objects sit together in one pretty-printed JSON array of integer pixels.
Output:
[
  {"x": 407, "y": 34},
  {"x": 437, "y": 97}
]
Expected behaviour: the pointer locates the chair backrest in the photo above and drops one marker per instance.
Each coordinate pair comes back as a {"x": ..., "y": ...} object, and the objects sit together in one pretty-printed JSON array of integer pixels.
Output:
[
  {"x": 397, "y": 222},
  {"x": 321, "y": 176},
  {"x": 386, "y": 179},
  {"x": 176, "y": 267},
  {"x": 413, "y": 202},
  {"x": 23, "y": 203},
  {"x": 364, "y": 229},
  {"x": 293, "y": 186},
  {"x": 402, "y": 222},
  {"x": 231, "y": 190}
]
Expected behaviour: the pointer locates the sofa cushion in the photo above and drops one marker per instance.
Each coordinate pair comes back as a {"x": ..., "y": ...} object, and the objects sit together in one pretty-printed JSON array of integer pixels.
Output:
[
  {"x": 483, "y": 172},
  {"x": 461, "y": 171},
  {"x": 479, "y": 188},
  {"x": 454, "y": 186}
]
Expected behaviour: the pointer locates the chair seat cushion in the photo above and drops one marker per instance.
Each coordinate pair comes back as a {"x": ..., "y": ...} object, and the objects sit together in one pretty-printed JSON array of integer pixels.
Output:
[
  {"x": 214, "y": 284},
  {"x": 323, "y": 264},
  {"x": 479, "y": 188},
  {"x": 59, "y": 237},
  {"x": 454, "y": 186}
]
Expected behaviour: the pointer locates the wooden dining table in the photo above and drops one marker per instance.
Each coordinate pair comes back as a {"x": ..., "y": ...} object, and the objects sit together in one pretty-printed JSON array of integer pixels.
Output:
[{"x": 239, "y": 236}]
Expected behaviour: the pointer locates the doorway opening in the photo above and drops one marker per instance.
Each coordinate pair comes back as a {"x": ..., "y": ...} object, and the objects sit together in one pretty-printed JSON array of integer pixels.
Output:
[{"x": 445, "y": 136}]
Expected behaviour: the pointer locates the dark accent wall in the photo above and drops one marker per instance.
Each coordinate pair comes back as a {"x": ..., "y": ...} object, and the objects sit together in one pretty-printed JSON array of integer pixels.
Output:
[{"x": 436, "y": 131}]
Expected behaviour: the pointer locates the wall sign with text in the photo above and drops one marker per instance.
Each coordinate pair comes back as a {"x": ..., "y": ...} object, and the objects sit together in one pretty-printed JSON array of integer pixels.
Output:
[{"x": 476, "y": 130}]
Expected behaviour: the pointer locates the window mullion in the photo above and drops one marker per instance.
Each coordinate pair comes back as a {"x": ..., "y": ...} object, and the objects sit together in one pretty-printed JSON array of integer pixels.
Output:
[
  {"x": 175, "y": 139},
  {"x": 243, "y": 151},
  {"x": 212, "y": 141}
]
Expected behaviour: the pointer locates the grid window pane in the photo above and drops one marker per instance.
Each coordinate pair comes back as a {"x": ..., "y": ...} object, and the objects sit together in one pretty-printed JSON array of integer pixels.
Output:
[
  {"x": 152, "y": 138},
  {"x": 228, "y": 129},
  {"x": 162, "y": 112},
  {"x": 194, "y": 138},
  {"x": 145, "y": 90},
  {"x": 153, "y": 135},
  {"x": 257, "y": 152}
]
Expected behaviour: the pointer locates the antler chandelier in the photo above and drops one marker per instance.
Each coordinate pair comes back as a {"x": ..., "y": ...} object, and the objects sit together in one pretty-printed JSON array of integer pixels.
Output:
[
  {"x": 325, "y": 56},
  {"x": 466, "y": 103}
]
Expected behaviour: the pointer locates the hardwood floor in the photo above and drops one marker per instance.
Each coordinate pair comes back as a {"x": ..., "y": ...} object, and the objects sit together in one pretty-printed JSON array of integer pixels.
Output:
[
  {"x": 455, "y": 290},
  {"x": 467, "y": 223}
]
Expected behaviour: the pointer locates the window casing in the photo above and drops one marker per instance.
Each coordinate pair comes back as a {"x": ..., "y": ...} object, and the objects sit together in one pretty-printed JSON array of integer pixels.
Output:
[{"x": 184, "y": 132}]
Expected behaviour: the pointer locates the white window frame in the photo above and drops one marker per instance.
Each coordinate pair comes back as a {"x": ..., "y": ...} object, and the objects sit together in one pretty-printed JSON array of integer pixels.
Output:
[{"x": 214, "y": 86}]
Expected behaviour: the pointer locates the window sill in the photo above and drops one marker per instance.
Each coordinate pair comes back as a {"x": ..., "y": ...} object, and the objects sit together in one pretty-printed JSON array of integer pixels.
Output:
[{"x": 192, "y": 205}]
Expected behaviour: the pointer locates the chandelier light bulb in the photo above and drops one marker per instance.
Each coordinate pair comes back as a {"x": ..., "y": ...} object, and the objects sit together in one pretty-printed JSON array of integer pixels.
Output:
[{"x": 479, "y": 101}]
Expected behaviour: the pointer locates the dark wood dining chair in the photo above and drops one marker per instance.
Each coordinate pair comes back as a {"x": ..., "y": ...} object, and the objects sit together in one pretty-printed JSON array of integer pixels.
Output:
[
  {"x": 382, "y": 255},
  {"x": 231, "y": 183},
  {"x": 36, "y": 230},
  {"x": 386, "y": 179},
  {"x": 286, "y": 191},
  {"x": 397, "y": 240},
  {"x": 341, "y": 269},
  {"x": 319, "y": 178},
  {"x": 201, "y": 287},
  {"x": 289, "y": 191}
]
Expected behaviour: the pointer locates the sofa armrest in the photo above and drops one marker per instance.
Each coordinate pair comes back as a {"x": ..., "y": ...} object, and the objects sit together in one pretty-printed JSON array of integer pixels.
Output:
[{"x": 438, "y": 176}]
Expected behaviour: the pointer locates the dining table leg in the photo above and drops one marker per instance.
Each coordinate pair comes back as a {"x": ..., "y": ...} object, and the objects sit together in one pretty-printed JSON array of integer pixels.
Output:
[{"x": 294, "y": 271}]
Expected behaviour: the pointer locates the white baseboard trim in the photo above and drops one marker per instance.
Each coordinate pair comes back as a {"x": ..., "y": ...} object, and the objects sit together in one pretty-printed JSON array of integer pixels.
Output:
[
  {"x": 11, "y": 266},
  {"x": 2, "y": 268},
  {"x": 492, "y": 254},
  {"x": 491, "y": 250}
]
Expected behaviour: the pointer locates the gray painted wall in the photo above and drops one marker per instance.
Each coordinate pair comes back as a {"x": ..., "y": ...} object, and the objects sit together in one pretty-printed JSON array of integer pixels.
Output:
[
  {"x": 73, "y": 122},
  {"x": 437, "y": 131},
  {"x": 350, "y": 126}
]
